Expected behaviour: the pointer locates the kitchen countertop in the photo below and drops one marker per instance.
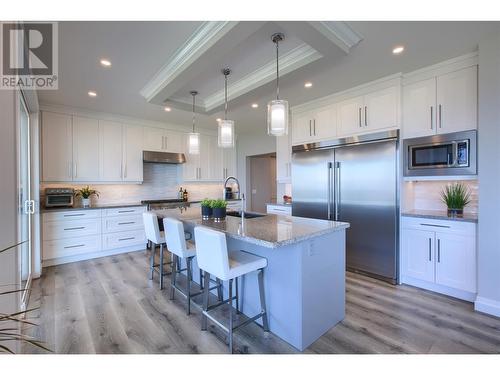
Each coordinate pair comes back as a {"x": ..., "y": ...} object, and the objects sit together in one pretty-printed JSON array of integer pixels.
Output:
[
  {"x": 93, "y": 207},
  {"x": 269, "y": 231},
  {"x": 280, "y": 204},
  {"x": 439, "y": 215}
]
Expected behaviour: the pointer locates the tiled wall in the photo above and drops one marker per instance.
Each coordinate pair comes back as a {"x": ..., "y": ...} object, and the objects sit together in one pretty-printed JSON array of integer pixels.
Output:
[
  {"x": 161, "y": 181},
  {"x": 426, "y": 195}
]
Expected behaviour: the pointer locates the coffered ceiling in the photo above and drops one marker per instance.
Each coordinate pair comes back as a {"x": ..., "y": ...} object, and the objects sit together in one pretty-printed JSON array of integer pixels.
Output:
[{"x": 156, "y": 64}]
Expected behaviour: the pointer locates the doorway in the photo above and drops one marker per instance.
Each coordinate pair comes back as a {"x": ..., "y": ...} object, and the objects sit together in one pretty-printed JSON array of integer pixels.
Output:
[{"x": 261, "y": 181}]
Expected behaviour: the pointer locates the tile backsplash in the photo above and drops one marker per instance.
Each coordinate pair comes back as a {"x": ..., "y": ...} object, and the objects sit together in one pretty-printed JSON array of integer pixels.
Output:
[
  {"x": 161, "y": 181},
  {"x": 426, "y": 195}
]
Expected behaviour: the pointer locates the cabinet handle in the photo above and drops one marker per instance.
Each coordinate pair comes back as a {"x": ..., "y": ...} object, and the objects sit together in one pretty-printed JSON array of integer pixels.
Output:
[
  {"x": 126, "y": 239},
  {"x": 165, "y": 142},
  {"x": 125, "y": 211},
  {"x": 434, "y": 225},
  {"x": 359, "y": 116},
  {"x": 440, "y": 117},
  {"x": 439, "y": 250},
  {"x": 75, "y": 174},
  {"x": 74, "y": 228},
  {"x": 69, "y": 169},
  {"x": 432, "y": 116},
  {"x": 430, "y": 257},
  {"x": 73, "y": 246},
  {"x": 125, "y": 171},
  {"x": 366, "y": 123},
  {"x": 69, "y": 215},
  {"x": 127, "y": 223},
  {"x": 314, "y": 126},
  {"x": 310, "y": 132}
]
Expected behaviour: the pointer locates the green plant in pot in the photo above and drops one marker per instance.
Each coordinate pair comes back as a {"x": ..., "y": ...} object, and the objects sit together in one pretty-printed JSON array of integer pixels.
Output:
[
  {"x": 85, "y": 193},
  {"x": 219, "y": 209},
  {"x": 206, "y": 209},
  {"x": 456, "y": 197}
]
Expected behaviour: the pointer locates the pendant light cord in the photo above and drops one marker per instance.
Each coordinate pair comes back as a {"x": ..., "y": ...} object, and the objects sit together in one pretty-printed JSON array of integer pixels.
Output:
[
  {"x": 194, "y": 116},
  {"x": 225, "y": 96},
  {"x": 277, "y": 72}
]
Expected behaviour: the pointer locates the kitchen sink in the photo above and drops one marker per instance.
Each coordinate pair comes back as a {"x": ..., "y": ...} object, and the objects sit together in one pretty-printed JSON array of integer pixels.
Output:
[{"x": 248, "y": 215}]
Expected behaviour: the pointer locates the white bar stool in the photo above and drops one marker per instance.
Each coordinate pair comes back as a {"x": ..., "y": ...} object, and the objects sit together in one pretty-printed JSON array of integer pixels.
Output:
[
  {"x": 214, "y": 259},
  {"x": 157, "y": 238}
]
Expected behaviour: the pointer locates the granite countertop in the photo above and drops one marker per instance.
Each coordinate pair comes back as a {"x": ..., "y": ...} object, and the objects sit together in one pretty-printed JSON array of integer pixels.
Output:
[
  {"x": 279, "y": 204},
  {"x": 93, "y": 207},
  {"x": 269, "y": 231},
  {"x": 439, "y": 215}
]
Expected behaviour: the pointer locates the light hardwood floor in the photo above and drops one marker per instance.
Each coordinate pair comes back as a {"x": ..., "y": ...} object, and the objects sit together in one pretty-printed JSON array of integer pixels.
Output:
[{"x": 108, "y": 305}]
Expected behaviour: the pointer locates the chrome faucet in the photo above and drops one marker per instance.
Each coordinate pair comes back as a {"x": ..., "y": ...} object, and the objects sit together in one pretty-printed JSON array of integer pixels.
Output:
[{"x": 240, "y": 196}]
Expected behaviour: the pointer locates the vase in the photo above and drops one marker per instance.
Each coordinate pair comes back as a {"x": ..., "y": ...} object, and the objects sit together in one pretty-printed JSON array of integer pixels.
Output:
[
  {"x": 86, "y": 202},
  {"x": 206, "y": 212},
  {"x": 455, "y": 212},
  {"x": 219, "y": 213}
]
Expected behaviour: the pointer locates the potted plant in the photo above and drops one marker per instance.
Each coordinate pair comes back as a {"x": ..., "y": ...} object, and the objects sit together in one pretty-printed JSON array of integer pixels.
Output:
[
  {"x": 206, "y": 208},
  {"x": 86, "y": 192},
  {"x": 456, "y": 197},
  {"x": 219, "y": 209}
]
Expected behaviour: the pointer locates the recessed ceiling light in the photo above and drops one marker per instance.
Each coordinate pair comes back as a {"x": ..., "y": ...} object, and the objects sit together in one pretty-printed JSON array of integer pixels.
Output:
[
  {"x": 255, "y": 105},
  {"x": 218, "y": 120},
  {"x": 92, "y": 94},
  {"x": 105, "y": 62},
  {"x": 397, "y": 50},
  {"x": 167, "y": 109},
  {"x": 308, "y": 84}
]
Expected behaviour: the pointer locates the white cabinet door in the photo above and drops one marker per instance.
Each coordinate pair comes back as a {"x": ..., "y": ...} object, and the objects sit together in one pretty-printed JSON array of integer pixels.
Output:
[
  {"x": 457, "y": 100},
  {"x": 205, "y": 159},
  {"x": 380, "y": 109},
  {"x": 190, "y": 168},
  {"x": 302, "y": 128},
  {"x": 57, "y": 150},
  {"x": 215, "y": 153},
  {"x": 133, "y": 137},
  {"x": 173, "y": 141},
  {"x": 111, "y": 151},
  {"x": 324, "y": 123},
  {"x": 456, "y": 261},
  {"x": 418, "y": 254},
  {"x": 85, "y": 149},
  {"x": 283, "y": 159},
  {"x": 229, "y": 162},
  {"x": 349, "y": 117},
  {"x": 419, "y": 109},
  {"x": 154, "y": 139}
]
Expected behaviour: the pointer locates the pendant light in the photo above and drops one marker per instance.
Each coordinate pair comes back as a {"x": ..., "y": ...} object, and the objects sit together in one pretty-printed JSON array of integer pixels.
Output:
[
  {"x": 277, "y": 110},
  {"x": 193, "y": 137},
  {"x": 226, "y": 127}
]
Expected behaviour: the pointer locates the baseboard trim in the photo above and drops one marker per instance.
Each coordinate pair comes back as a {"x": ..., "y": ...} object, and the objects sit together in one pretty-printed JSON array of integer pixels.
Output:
[
  {"x": 97, "y": 254},
  {"x": 487, "y": 306},
  {"x": 452, "y": 292}
]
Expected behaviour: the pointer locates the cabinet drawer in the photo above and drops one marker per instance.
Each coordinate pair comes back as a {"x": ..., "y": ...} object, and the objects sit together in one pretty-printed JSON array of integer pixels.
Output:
[
  {"x": 124, "y": 211},
  {"x": 435, "y": 225},
  {"x": 72, "y": 215},
  {"x": 122, "y": 223},
  {"x": 279, "y": 210},
  {"x": 123, "y": 239},
  {"x": 54, "y": 230},
  {"x": 71, "y": 246}
]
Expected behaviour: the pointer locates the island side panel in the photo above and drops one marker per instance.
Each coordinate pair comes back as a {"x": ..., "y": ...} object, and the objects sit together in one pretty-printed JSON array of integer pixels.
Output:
[{"x": 323, "y": 285}]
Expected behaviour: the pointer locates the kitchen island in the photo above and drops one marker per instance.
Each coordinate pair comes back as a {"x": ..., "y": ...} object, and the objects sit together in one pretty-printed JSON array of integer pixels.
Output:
[{"x": 305, "y": 277}]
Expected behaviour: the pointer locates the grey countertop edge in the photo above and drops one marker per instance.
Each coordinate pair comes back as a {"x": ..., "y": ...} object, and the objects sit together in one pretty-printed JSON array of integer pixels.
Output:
[
  {"x": 95, "y": 207},
  {"x": 440, "y": 216},
  {"x": 279, "y": 204}
]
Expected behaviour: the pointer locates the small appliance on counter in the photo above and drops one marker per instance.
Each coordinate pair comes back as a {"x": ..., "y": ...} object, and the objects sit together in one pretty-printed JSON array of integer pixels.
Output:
[
  {"x": 59, "y": 197},
  {"x": 229, "y": 193}
]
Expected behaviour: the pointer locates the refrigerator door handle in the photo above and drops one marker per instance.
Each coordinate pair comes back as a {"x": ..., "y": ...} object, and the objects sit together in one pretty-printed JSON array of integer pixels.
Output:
[
  {"x": 337, "y": 190},
  {"x": 330, "y": 188}
]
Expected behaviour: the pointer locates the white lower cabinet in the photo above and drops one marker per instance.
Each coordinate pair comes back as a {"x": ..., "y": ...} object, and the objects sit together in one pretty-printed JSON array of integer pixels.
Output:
[
  {"x": 83, "y": 234},
  {"x": 439, "y": 255}
]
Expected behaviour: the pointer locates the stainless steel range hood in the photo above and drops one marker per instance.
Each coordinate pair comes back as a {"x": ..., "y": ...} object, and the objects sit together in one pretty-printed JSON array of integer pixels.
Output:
[{"x": 163, "y": 157}]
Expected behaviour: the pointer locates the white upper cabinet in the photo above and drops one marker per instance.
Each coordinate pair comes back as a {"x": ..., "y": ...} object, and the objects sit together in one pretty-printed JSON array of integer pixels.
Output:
[
  {"x": 350, "y": 116},
  {"x": 57, "y": 153},
  {"x": 381, "y": 109},
  {"x": 311, "y": 126},
  {"x": 283, "y": 159},
  {"x": 419, "y": 108},
  {"x": 133, "y": 139},
  {"x": 157, "y": 139},
  {"x": 173, "y": 141},
  {"x": 210, "y": 163},
  {"x": 111, "y": 151},
  {"x": 228, "y": 162},
  {"x": 445, "y": 103},
  {"x": 457, "y": 100},
  {"x": 85, "y": 149}
]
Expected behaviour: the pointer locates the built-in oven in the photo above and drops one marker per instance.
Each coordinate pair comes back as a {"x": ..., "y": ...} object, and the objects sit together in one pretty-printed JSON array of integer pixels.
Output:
[
  {"x": 59, "y": 197},
  {"x": 452, "y": 154}
]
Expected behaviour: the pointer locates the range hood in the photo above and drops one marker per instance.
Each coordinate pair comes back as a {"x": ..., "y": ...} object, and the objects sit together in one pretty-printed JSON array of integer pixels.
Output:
[{"x": 163, "y": 157}]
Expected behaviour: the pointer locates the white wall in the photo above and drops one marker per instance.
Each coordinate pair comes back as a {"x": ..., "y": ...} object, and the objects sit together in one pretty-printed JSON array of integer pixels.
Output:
[
  {"x": 248, "y": 145},
  {"x": 488, "y": 299}
]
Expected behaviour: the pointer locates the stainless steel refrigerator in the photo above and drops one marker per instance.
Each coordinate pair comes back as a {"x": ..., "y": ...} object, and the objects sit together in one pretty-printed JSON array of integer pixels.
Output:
[{"x": 354, "y": 180}]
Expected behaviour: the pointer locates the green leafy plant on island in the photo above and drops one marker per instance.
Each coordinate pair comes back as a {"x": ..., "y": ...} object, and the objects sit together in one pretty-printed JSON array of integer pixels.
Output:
[
  {"x": 9, "y": 323},
  {"x": 219, "y": 203},
  {"x": 456, "y": 196},
  {"x": 206, "y": 203},
  {"x": 86, "y": 192}
]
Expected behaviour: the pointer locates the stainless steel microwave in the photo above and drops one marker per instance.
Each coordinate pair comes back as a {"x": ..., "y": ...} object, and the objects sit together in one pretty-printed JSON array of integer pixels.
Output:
[
  {"x": 453, "y": 154},
  {"x": 59, "y": 197}
]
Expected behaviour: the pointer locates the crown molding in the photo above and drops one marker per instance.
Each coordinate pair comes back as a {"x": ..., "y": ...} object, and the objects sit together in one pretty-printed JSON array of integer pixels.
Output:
[
  {"x": 200, "y": 41},
  {"x": 290, "y": 61},
  {"x": 339, "y": 33}
]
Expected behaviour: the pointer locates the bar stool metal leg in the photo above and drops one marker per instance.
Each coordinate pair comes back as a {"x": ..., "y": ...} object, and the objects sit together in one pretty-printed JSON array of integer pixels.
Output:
[
  {"x": 205, "y": 301},
  {"x": 230, "y": 327},
  {"x": 263, "y": 307},
  {"x": 237, "y": 296},
  {"x": 152, "y": 260},
  {"x": 219, "y": 289},
  {"x": 201, "y": 279},
  {"x": 172, "y": 277},
  {"x": 189, "y": 279},
  {"x": 161, "y": 266}
]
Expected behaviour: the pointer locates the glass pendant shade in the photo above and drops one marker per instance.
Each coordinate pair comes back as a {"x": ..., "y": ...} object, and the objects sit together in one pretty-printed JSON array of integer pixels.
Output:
[
  {"x": 277, "y": 117},
  {"x": 194, "y": 143},
  {"x": 226, "y": 133}
]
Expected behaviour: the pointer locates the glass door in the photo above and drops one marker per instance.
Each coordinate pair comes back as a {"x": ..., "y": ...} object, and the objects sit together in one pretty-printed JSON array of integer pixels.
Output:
[{"x": 25, "y": 204}]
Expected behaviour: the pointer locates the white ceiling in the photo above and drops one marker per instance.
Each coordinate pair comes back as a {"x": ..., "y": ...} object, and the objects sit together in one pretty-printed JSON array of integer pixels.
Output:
[{"x": 138, "y": 50}]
